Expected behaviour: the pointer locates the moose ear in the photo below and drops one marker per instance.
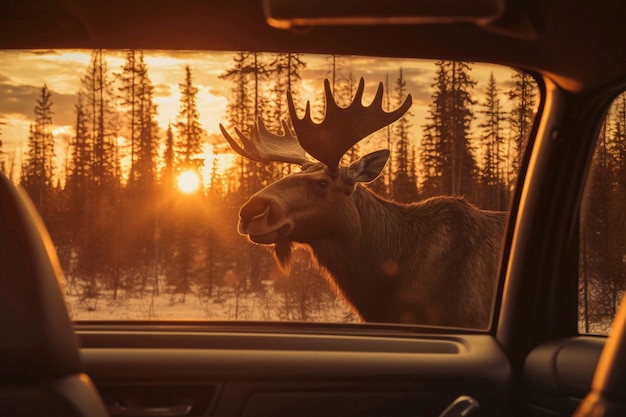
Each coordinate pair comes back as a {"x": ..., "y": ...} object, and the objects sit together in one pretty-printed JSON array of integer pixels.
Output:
[{"x": 369, "y": 167}]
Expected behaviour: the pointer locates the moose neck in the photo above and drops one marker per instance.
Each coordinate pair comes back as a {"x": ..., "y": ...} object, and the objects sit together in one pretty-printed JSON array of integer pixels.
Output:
[{"x": 364, "y": 258}]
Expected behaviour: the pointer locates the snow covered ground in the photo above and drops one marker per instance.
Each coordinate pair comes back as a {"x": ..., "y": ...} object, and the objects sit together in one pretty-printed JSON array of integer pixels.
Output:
[{"x": 225, "y": 304}]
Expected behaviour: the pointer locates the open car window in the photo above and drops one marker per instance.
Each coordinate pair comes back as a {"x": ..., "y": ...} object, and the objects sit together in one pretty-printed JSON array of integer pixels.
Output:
[{"x": 148, "y": 204}]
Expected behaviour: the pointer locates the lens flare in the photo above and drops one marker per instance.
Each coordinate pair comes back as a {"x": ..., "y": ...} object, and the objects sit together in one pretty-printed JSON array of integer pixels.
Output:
[{"x": 188, "y": 181}]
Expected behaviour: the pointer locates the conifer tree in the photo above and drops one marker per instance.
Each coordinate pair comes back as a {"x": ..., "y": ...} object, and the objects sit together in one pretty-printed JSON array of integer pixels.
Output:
[
  {"x": 247, "y": 76},
  {"x": 341, "y": 78},
  {"x": 167, "y": 174},
  {"x": 79, "y": 169},
  {"x": 404, "y": 181},
  {"x": 137, "y": 91},
  {"x": 241, "y": 107},
  {"x": 524, "y": 97},
  {"x": 99, "y": 105},
  {"x": 166, "y": 230},
  {"x": 99, "y": 256},
  {"x": 129, "y": 100},
  {"x": 189, "y": 138},
  {"x": 187, "y": 147},
  {"x": 285, "y": 69},
  {"x": 446, "y": 152},
  {"x": 492, "y": 141},
  {"x": 140, "y": 217},
  {"x": 38, "y": 170}
]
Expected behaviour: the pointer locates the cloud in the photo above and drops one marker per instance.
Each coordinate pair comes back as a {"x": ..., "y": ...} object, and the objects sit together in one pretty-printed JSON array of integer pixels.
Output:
[
  {"x": 19, "y": 101},
  {"x": 162, "y": 90},
  {"x": 44, "y": 52}
]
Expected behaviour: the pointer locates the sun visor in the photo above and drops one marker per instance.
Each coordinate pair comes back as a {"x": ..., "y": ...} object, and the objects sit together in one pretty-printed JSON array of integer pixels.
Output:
[{"x": 285, "y": 14}]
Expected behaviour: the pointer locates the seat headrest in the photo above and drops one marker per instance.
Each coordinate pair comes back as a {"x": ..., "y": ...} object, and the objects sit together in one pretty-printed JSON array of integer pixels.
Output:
[{"x": 37, "y": 339}]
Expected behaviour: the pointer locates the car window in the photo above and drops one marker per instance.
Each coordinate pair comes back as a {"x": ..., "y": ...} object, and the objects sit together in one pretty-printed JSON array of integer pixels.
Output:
[
  {"x": 125, "y": 154},
  {"x": 602, "y": 252}
]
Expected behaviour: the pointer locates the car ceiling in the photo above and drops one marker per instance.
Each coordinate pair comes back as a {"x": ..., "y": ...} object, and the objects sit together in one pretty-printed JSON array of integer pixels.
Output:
[{"x": 579, "y": 43}]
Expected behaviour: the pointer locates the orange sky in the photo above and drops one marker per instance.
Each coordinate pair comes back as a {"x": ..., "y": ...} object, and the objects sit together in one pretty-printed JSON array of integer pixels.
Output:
[{"x": 23, "y": 73}]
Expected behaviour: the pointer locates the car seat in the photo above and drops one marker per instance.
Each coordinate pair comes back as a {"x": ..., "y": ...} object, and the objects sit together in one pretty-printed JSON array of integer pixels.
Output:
[{"x": 40, "y": 366}]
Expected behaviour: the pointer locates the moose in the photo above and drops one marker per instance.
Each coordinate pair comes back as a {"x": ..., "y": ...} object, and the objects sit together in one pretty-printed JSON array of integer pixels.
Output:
[{"x": 432, "y": 262}]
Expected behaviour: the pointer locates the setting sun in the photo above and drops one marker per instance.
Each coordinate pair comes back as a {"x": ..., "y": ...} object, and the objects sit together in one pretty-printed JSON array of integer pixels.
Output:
[{"x": 188, "y": 181}]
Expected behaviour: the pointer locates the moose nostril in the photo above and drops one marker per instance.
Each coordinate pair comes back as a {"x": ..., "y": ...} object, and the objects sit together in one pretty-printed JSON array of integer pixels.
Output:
[
  {"x": 260, "y": 215},
  {"x": 253, "y": 210}
]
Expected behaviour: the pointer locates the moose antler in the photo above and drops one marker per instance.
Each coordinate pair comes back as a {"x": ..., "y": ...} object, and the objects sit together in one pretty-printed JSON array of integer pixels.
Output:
[
  {"x": 342, "y": 127},
  {"x": 327, "y": 141},
  {"x": 266, "y": 146}
]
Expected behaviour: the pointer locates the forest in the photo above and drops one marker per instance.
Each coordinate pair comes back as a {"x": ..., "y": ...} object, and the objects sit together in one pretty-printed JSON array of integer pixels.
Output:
[
  {"x": 602, "y": 246},
  {"x": 134, "y": 246}
]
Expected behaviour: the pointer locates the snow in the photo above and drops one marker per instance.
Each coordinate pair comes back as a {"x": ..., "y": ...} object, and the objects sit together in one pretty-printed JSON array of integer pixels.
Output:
[{"x": 224, "y": 304}]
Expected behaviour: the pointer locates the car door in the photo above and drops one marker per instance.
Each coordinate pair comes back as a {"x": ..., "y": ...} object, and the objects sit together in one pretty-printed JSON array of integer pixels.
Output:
[{"x": 558, "y": 372}]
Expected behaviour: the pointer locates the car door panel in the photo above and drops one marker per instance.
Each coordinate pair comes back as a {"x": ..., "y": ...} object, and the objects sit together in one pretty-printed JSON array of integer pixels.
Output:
[
  {"x": 299, "y": 374},
  {"x": 558, "y": 374}
]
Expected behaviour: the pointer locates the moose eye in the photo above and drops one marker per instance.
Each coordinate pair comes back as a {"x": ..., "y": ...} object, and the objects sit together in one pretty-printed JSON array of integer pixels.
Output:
[{"x": 322, "y": 183}]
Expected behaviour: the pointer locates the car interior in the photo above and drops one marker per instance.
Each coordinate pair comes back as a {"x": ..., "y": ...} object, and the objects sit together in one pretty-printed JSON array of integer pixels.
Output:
[{"x": 534, "y": 358}]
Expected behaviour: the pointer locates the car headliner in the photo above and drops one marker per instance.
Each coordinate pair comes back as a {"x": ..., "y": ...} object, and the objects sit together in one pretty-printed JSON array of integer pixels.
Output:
[{"x": 580, "y": 44}]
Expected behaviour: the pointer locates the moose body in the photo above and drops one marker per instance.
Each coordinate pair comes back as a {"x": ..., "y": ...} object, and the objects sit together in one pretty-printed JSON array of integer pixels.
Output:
[{"x": 432, "y": 262}]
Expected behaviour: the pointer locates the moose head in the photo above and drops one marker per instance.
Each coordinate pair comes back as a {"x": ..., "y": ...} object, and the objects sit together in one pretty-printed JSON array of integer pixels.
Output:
[{"x": 303, "y": 206}]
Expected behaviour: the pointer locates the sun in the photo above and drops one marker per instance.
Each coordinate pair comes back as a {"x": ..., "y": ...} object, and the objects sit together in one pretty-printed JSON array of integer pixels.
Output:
[{"x": 188, "y": 181}]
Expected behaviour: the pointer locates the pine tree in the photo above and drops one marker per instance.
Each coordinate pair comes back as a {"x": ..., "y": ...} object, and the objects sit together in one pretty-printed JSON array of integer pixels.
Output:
[
  {"x": 188, "y": 148},
  {"x": 166, "y": 230},
  {"x": 100, "y": 254},
  {"x": 404, "y": 183},
  {"x": 130, "y": 100},
  {"x": 189, "y": 139},
  {"x": 99, "y": 102},
  {"x": 446, "y": 151},
  {"x": 38, "y": 170},
  {"x": 79, "y": 170},
  {"x": 247, "y": 76},
  {"x": 167, "y": 174},
  {"x": 248, "y": 102},
  {"x": 285, "y": 69},
  {"x": 137, "y": 91},
  {"x": 140, "y": 218},
  {"x": 148, "y": 138},
  {"x": 492, "y": 141},
  {"x": 341, "y": 78},
  {"x": 284, "y": 73},
  {"x": 524, "y": 96}
]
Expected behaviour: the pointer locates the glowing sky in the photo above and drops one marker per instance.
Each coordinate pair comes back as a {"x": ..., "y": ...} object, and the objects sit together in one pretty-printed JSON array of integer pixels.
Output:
[{"x": 23, "y": 73}]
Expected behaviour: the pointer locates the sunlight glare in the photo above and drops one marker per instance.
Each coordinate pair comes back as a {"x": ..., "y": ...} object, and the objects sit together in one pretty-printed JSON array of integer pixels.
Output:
[
  {"x": 216, "y": 159},
  {"x": 188, "y": 181}
]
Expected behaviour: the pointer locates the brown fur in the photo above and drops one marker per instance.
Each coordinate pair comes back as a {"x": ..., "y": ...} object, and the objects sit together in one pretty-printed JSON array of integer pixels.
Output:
[{"x": 433, "y": 262}]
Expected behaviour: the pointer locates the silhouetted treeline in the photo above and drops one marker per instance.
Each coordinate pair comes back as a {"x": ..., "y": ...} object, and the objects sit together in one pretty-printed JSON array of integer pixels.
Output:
[{"x": 123, "y": 228}]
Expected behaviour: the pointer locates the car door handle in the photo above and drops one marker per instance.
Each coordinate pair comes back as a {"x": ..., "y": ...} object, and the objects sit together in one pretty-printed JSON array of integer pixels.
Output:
[
  {"x": 170, "y": 411},
  {"x": 464, "y": 406}
]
